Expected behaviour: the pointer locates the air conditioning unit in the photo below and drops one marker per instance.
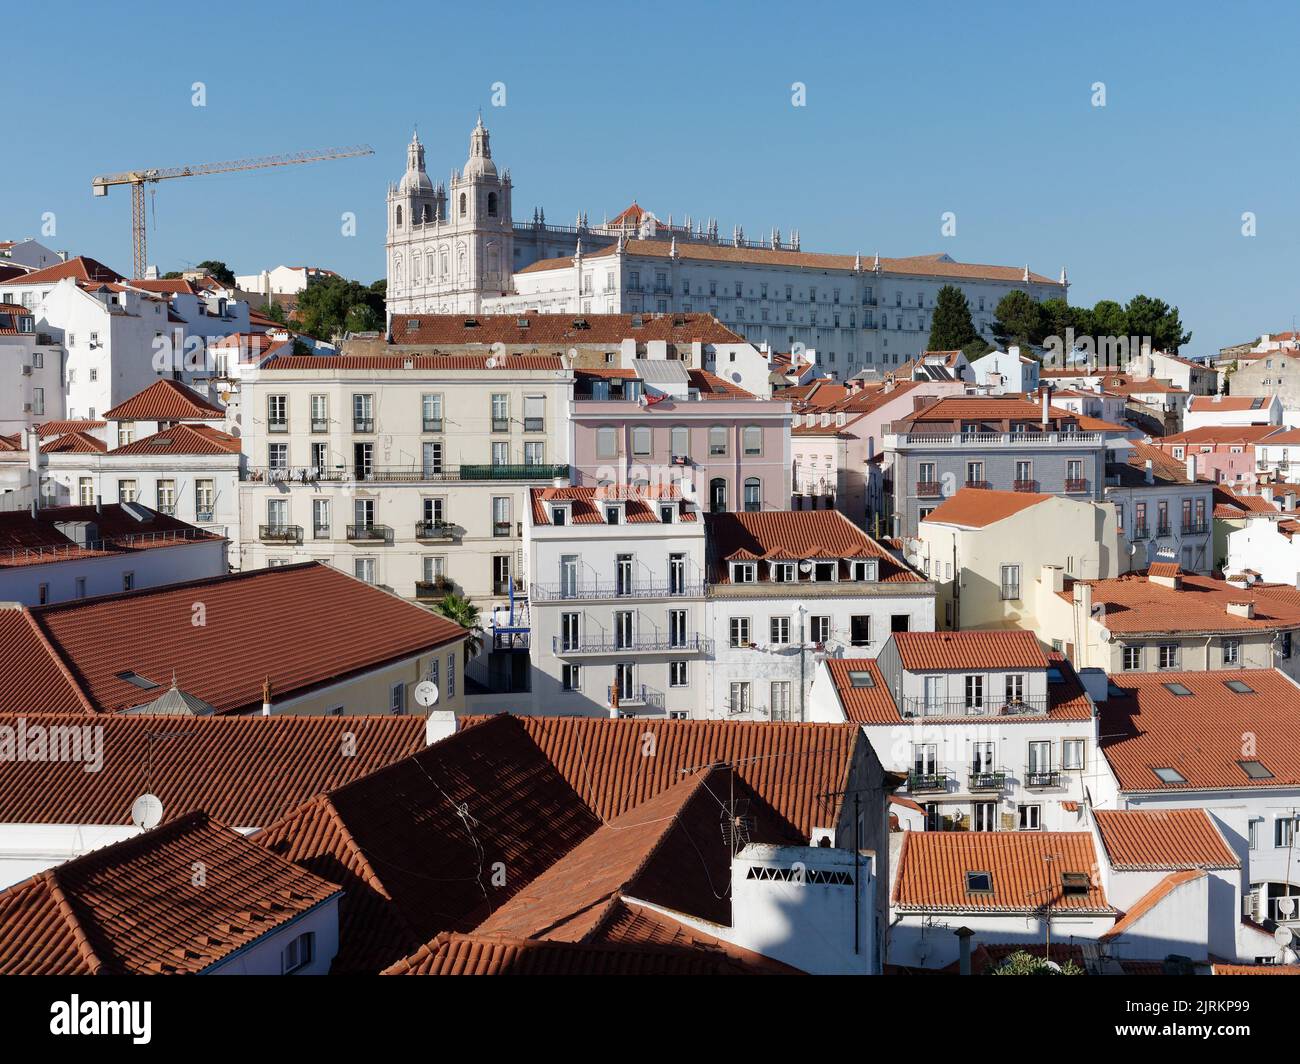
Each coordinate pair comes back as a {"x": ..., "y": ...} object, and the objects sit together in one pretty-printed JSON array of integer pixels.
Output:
[
  {"x": 1250, "y": 906},
  {"x": 27, "y": 371},
  {"x": 27, "y": 408}
]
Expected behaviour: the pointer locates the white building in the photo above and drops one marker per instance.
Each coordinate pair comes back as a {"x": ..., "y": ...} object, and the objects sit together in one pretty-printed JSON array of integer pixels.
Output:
[
  {"x": 991, "y": 734},
  {"x": 1208, "y": 411},
  {"x": 29, "y": 253},
  {"x": 31, "y": 372},
  {"x": 1006, "y": 371},
  {"x": 77, "y": 552},
  {"x": 789, "y": 589},
  {"x": 617, "y": 602},
  {"x": 282, "y": 280},
  {"x": 457, "y": 248},
  {"x": 1265, "y": 547}
]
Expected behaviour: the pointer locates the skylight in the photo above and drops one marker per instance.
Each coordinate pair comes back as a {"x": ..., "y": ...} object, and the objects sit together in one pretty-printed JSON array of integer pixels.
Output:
[
  {"x": 1178, "y": 689},
  {"x": 1239, "y": 686},
  {"x": 143, "y": 682},
  {"x": 861, "y": 678},
  {"x": 1074, "y": 883},
  {"x": 979, "y": 882},
  {"x": 1255, "y": 770},
  {"x": 1169, "y": 775}
]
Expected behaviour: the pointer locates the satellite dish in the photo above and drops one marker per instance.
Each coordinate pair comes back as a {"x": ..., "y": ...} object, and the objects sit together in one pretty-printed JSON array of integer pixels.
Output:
[
  {"x": 426, "y": 693},
  {"x": 805, "y": 567},
  {"x": 1286, "y": 906},
  {"x": 1283, "y": 936},
  {"x": 147, "y": 811},
  {"x": 492, "y": 362}
]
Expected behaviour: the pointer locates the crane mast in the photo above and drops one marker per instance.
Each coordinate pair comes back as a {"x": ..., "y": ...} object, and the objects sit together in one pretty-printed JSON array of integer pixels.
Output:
[{"x": 138, "y": 179}]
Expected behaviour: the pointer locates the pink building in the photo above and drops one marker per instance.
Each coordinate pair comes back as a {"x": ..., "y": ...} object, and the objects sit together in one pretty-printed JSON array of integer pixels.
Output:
[
  {"x": 659, "y": 422},
  {"x": 1226, "y": 453}
]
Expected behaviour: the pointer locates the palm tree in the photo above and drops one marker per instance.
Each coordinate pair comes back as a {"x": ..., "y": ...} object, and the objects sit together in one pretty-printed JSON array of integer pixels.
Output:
[{"x": 459, "y": 609}]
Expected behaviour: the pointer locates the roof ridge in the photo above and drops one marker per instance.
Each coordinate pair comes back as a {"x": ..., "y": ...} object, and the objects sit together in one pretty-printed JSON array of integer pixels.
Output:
[
  {"x": 57, "y": 658},
  {"x": 80, "y": 936}
]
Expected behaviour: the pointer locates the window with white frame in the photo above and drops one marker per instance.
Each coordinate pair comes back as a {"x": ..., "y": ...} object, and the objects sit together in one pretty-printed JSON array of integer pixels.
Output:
[
  {"x": 739, "y": 631},
  {"x": 779, "y": 630},
  {"x": 1030, "y": 817},
  {"x": 1132, "y": 658},
  {"x": 298, "y": 953},
  {"x": 1011, "y": 583},
  {"x": 677, "y": 674},
  {"x": 1072, "y": 753}
]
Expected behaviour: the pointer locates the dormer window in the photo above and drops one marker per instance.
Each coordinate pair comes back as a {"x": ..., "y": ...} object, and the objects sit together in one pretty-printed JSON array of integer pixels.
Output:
[
  {"x": 825, "y": 571},
  {"x": 560, "y": 515},
  {"x": 868, "y": 570},
  {"x": 667, "y": 514},
  {"x": 783, "y": 572},
  {"x": 614, "y": 514},
  {"x": 744, "y": 572}
]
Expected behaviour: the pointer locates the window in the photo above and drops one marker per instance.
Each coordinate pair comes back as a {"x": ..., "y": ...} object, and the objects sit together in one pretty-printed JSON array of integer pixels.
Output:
[
  {"x": 1014, "y": 688},
  {"x": 607, "y": 442},
  {"x": 300, "y": 952},
  {"x": 277, "y": 413},
  {"x": 571, "y": 677},
  {"x": 1030, "y": 817},
  {"x": 81, "y": 587},
  {"x": 1284, "y": 831},
  {"x": 717, "y": 440},
  {"x": 534, "y": 453},
  {"x": 85, "y": 491},
  {"x": 753, "y": 495},
  {"x": 128, "y": 581},
  {"x": 623, "y": 568},
  {"x": 1072, "y": 753},
  {"x": 43, "y": 594},
  {"x": 1255, "y": 770},
  {"x": 974, "y": 693},
  {"x": 500, "y": 412},
  {"x": 779, "y": 629},
  {"x": 984, "y": 816},
  {"x": 744, "y": 572},
  {"x": 780, "y": 707},
  {"x": 718, "y": 495},
  {"x": 204, "y": 496},
  {"x": 861, "y": 678},
  {"x": 363, "y": 413},
  {"x": 320, "y": 413},
  {"x": 126, "y": 432},
  {"x": 1239, "y": 687},
  {"x": 451, "y": 675},
  {"x": 740, "y": 631},
  {"x": 1076, "y": 884},
  {"x": 534, "y": 413},
  {"x": 819, "y": 629},
  {"x": 501, "y": 515},
  {"x": 860, "y": 630},
  {"x": 397, "y": 699},
  {"x": 1252, "y": 832},
  {"x": 1169, "y": 775},
  {"x": 570, "y": 637},
  {"x": 1167, "y": 655},
  {"x": 752, "y": 440},
  {"x": 641, "y": 440},
  {"x": 677, "y": 674},
  {"x": 1132, "y": 658},
  {"x": 677, "y": 628},
  {"x": 277, "y": 456},
  {"x": 127, "y": 491},
  {"x": 167, "y": 496},
  {"x": 431, "y": 406},
  {"x": 979, "y": 883},
  {"x": 681, "y": 441},
  {"x": 1011, "y": 583},
  {"x": 677, "y": 574},
  {"x": 364, "y": 569},
  {"x": 500, "y": 453}
]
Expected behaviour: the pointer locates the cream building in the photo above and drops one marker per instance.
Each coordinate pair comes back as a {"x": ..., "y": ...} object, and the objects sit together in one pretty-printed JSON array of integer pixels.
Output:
[{"x": 407, "y": 471}]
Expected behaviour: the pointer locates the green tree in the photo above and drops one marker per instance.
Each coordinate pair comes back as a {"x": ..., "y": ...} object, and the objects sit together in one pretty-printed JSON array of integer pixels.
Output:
[
  {"x": 1157, "y": 319},
  {"x": 1024, "y": 963},
  {"x": 1019, "y": 319},
  {"x": 323, "y": 308},
  {"x": 1109, "y": 319},
  {"x": 275, "y": 312},
  {"x": 952, "y": 327},
  {"x": 363, "y": 318},
  {"x": 222, "y": 273},
  {"x": 461, "y": 610},
  {"x": 977, "y": 348}
]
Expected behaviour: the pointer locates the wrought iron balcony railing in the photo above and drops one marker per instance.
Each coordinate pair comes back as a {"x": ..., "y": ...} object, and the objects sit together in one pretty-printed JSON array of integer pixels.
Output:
[
  {"x": 692, "y": 644},
  {"x": 441, "y": 530},
  {"x": 279, "y": 533},
  {"x": 433, "y": 589},
  {"x": 987, "y": 779},
  {"x": 613, "y": 589},
  {"x": 1042, "y": 778},
  {"x": 928, "y": 782},
  {"x": 369, "y": 534}
]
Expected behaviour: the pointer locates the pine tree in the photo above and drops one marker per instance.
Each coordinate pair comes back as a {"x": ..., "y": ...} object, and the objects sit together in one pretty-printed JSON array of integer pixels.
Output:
[{"x": 952, "y": 327}]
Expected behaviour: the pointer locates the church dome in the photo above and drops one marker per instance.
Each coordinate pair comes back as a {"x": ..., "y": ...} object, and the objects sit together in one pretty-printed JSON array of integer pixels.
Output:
[
  {"x": 415, "y": 179},
  {"x": 479, "y": 163}
]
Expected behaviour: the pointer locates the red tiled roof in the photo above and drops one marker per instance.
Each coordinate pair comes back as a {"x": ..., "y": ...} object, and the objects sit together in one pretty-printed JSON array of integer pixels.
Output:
[
  {"x": 1136, "y": 605},
  {"x": 33, "y": 680},
  {"x": 1255, "y": 969},
  {"x": 1228, "y": 504},
  {"x": 146, "y": 631},
  {"x": 81, "y": 268},
  {"x": 1202, "y": 403},
  {"x": 245, "y": 771},
  {"x": 166, "y": 400},
  {"x": 1218, "y": 435},
  {"x": 1007, "y": 649},
  {"x": 794, "y": 535},
  {"x": 1026, "y": 869},
  {"x": 1150, "y": 900},
  {"x": 640, "y": 504},
  {"x": 341, "y": 363},
  {"x": 605, "y": 329},
  {"x": 135, "y": 908},
  {"x": 75, "y": 443},
  {"x": 183, "y": 439},
  {"x": 165, "y": 286},
  {"x": 1145, "y": 726},
  {"x": 59, "y": 428},
  {"x": 978, "y": 508},
  {"x": 28, "y": 540},
  {"x": 1145, "y": 839},
  {"x": 711, "y": 386}
]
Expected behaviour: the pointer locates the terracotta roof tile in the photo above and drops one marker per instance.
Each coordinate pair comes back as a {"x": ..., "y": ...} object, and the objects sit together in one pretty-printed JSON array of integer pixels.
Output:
[
  {"x": 1207, "y": 403},
  {"x": 978, "y": 508},
  {"x": 134, "y": 908},
  {"x": 1143, "y": 839},
  {"x": 1007, "y": 649},
  {"x": 1026, "y": 869},
  {"x": 453, "y": 329},
  {"x": 142, "y": 631},
  {"x": 75, "y": 443},
  {"x": 183, "y": 439},
  {"x": 27, "y": 540},
  {"x": 794, "y": 535},
  {"x": 1136, "y": 604},
  {"x": 342, "y": 363},
  {"x": 82, "y": 268},
  {"x": 245, "y": 771},
  {"x": 166, "y": 400},
  {"x": 640, "y": 504},
  {"x": 1145, "y": 726},
  {"x": 1256, "y": 969},
  {"x": 59, "y": 428}
]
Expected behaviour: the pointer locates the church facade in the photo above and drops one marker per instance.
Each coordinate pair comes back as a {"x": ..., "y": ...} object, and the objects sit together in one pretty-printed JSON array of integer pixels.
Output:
[{"x": 456, "y": 249}]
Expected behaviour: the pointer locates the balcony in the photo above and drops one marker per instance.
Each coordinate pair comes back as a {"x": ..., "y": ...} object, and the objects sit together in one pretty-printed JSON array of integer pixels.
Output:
[
  {"x": 1024, "y": 485},
  {"x": 403, "y": 475},
  {"x": 435, "y": 530},
  {"x": 277, "y": 425},
  {"x": 982, "y": 780},
  {"x": 1038, "y": 779},
  {"x": 636, "y": 697},
  {"x": 1163, "y": 530},
  {"x": 534, "y": 424},
  {"x": 974, "y": 438},
  {"x": 512, "y": 472},
  {"x": 982, "y": 485},
  {"x": 279, "y": 533},
  {"x": 204, "y": 516},
  {"x": 363, "y": 424},
  {"x": 500, "y": 424},
  {"x": 502, "y": 587},
  {"x": 1075, "y": 486},
  {"x": 615, "y": 589},
  {"x": 929, "y": 489},
  {"x": 502, "y": 529},
  {"x": 911, "y": 708},
  {"x": 433, "y": 590},
  {"x": 693, "y": 644},
  {"x": 382, "y": 534},
  {"x": 320, "y": 532},
  {"x": 432, "y": 424},
  {"x": 928, "y": 782},
  {"x": 1196, "y": 528},
  {"x": 320, "y": 424},
  {"x": 168, "y": 508},
  {"x": 1141, "y": 532}
]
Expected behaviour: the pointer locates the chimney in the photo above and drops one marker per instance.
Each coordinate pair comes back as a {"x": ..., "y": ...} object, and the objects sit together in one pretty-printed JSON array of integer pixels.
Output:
[
  {"x": 1149, "y": 472},
  {"x": 34, "y": 454},
  {"x": 964, "y": 935},
  {"x": 1045, "y": 396},
  {"x": 1244, "y": 608},
  {"x": 266, "y": 697},
  {"x": 1083, "y": 597},
  {"x": 1191, "y": 468},
  {"x": 438, "y": 725},
  {"x": 1054, "y": 577}
]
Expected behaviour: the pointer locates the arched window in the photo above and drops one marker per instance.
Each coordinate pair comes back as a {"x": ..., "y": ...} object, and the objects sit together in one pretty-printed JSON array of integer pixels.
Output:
[
  {"x": 415, "y": 267},
  {"x": 464, "y": 205},
  {"x": 753, "y": 495},
  {"x": 443, "y": 263},
  {"x": 399, "y": 216},
  {"x": 429, "y": 265},
  {"x": 492, "y": 204},
  {"x": 397, "y": 272},
  {"x": 718, "y": 495}
]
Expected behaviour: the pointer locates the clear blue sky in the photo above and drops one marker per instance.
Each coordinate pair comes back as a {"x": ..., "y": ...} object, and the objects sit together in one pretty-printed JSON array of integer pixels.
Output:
[{"x": 912, "y": 110}]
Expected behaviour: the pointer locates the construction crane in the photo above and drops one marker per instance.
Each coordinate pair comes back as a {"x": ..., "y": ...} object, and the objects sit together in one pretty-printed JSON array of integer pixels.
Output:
[{"x": 138, "y": 179}]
